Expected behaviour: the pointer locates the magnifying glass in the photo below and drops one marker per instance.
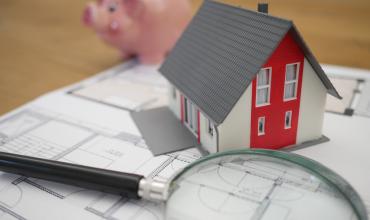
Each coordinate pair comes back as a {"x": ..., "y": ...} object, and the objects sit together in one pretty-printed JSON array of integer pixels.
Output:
[{"x": 241, "y": 184}]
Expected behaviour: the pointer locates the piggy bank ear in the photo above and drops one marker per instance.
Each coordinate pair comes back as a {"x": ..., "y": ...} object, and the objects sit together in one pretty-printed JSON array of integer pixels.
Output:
[{"x": 133, "y": 7}]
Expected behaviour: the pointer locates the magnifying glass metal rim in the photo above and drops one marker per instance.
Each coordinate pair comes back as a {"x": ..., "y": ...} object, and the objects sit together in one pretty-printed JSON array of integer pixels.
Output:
[{"x": 324, "y": 173}]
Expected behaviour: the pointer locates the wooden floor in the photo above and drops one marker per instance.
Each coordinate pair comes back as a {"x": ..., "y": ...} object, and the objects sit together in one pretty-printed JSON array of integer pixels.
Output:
[{"x": 44, "y": 46}]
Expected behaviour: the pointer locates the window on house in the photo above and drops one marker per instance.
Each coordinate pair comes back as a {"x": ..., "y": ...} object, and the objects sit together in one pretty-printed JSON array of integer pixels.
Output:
[
  {"x": 195, "y": 119},
  {"x": 261, "y": 126},
  {"x": 190, "y": 115},
  {"x": 291, "y": 81},
  {"x": 173, "y": 92},
  {"x": 190, "y": 112},
  {"x": 263, "y": 87},
  {"x": 210, "y": 127},
  {"x": 288, "y": 119},
  {"x": 186, "y": 110},
  {"x": 193, "y": 123}
]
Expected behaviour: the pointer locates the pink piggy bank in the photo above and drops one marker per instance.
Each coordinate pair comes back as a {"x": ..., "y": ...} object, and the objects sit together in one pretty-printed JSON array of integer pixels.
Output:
[{"x": 145, "y": 28}]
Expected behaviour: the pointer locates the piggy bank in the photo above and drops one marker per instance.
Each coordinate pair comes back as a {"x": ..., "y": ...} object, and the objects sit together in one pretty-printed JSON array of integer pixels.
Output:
[{"x": 147, "y": 29}]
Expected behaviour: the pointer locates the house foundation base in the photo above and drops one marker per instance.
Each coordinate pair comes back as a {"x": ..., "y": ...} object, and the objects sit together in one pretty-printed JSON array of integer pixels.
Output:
[{"x": 292, "y": 148}]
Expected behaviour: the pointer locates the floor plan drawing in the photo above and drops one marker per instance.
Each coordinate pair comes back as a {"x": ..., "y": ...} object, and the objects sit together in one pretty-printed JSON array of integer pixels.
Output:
[
  {"x": 256, "y": 189},
  {"x": 354, "y": 86},
  {"x": 356, "y": 97},
  {"x": 136, "y": 88},
  {"x": 36, "y": 134},
  {"x": 89, "y": 123}
]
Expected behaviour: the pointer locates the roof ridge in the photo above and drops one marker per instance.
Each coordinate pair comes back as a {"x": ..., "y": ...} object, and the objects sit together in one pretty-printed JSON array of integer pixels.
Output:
[{"x": 246, "y": 9}]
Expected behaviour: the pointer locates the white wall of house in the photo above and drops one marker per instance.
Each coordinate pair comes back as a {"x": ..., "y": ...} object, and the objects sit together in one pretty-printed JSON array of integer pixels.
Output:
[
  {"x": 312, "y": 106},
  {"x": 174, "y": 101},
  {"x": 234, "y": 132},
  {"x": 207, "y": 139}
]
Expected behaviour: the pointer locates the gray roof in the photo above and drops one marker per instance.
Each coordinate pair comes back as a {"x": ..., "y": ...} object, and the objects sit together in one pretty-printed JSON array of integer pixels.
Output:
[{"x": 222, "y": 50}]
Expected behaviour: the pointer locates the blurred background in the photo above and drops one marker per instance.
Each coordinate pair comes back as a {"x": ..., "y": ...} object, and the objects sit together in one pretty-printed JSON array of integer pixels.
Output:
[{"x": 44, "y": 46}]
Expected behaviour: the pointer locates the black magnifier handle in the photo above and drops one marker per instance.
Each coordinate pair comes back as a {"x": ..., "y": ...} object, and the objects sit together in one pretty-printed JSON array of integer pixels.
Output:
[{"x": 124, "y": 184}]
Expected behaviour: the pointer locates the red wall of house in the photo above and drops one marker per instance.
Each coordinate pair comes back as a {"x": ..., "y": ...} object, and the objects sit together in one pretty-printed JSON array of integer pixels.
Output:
[{"x": 276, "y": 136}]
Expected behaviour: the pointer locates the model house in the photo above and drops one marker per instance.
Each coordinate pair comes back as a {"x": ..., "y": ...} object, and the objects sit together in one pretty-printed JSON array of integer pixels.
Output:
[{"x": 242, "y": 78}]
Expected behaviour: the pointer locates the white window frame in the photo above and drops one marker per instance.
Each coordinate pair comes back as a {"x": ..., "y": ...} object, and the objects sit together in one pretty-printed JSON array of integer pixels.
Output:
[
  {"x": 263, "y": 119},
  {"x": 290, "y": 119},
  {"x": 191, "y": 116},
  {"x": 264, "y": 87},
  {"x": 291, "y": 82}
]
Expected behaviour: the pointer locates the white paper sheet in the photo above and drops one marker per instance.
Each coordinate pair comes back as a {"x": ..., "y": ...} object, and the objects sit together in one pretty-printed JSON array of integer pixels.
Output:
[{"x": 66, "y": 127}]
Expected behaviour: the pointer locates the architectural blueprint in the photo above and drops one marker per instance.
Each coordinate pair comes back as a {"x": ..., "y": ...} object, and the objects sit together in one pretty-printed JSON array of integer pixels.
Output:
[
  {"x": 354, "y": 87},
  {"x": 89, "y": 123},
  {"x": 138, "y": 88},
  {"x": 66, "y": 128},
  {"x": 250, "y": 187}
]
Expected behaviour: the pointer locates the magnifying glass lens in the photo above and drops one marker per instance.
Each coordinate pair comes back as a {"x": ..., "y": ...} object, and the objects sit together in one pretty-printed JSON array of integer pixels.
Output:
[{"x": 245, "y": 186}]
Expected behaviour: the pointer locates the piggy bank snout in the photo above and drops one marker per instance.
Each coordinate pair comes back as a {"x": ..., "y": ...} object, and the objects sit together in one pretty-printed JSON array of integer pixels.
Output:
[{"x": 87, "y": 17}]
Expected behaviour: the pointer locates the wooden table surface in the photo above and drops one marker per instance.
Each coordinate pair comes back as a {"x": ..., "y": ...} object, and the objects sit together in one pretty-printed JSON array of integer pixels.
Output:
[{"x": 44, "y": 46}]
